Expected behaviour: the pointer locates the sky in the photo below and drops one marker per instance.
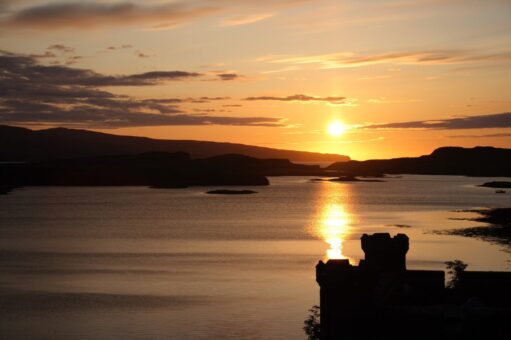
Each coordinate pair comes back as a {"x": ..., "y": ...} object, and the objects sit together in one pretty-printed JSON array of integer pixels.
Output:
[{"x": 400, "y": 78}]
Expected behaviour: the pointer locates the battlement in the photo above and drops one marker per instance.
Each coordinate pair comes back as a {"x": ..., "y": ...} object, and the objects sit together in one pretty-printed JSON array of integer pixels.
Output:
[
  {"x": 334, "y": 272},
  {"x": 383, "y": 252}
]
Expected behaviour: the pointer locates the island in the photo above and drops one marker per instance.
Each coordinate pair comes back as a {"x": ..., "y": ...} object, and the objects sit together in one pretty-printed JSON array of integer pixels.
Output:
[
  {"x": 497, "y": 184},
  {"x": 231, "y": 192},
  {"x": 346, "y": 179}
]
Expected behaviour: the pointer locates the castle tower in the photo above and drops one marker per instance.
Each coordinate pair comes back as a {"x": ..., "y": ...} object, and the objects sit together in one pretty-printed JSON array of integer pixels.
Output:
[
  {"x": 338, "y": 285},
  {"x": 384, "y": 253}
]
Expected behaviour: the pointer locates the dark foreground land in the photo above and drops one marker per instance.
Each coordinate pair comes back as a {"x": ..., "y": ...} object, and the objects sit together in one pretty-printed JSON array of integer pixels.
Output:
[
  {"x": 497, "y": 231},
  {"x": 382, "y": 299}
]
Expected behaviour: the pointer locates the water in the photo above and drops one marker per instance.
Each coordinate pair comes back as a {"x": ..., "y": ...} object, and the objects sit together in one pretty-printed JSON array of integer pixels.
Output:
[{"x": 139, "y": 263}]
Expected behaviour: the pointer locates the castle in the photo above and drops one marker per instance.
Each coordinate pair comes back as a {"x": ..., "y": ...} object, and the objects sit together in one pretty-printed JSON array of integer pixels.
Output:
[{"x": 381, "y": 299}]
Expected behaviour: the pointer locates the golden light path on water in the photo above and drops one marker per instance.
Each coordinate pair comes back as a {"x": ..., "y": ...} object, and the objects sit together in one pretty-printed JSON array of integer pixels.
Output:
[{"x": 333, "y": 223}]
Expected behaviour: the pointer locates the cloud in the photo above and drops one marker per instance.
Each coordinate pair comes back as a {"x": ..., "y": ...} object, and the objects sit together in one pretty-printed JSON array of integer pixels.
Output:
[
  {"x": 383, "y": 100},
  {"x": 47, "y": 54},
  {"x": 26, "y": 66},
  {"x": 227, "y": 76},
  {"x": 499, "y": 120},
  {"x": 438, "y": 57},
  {"x": 142, "y": 54},
  {"x": 151, "y": 15},
  {"x": 86, "y": 15},
  {"x": 31, "y": 93},
  {"x": 61, "y": 48},
  {"x": 115, "y": 118},
  {"x": 223, "y": 75},
  {"x": 215, "y": 98},
  {"x": 246, "y": 19},
  {"x": 74, "y": 59},
  {"x": 303, "y": 98},
  {"x": 199, "y": 100},
  {"x": 120, "y": 47},
  {"x": 494, "y": 135},
  {"x": 54, "y": 52}
]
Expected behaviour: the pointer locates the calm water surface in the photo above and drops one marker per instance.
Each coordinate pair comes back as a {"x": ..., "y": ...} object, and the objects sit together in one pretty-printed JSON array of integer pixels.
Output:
[{"x": 139, "y": 263}]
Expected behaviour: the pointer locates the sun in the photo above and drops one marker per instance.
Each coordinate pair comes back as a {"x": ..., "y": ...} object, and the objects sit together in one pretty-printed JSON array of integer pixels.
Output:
[{"x": 336, "y": 128}]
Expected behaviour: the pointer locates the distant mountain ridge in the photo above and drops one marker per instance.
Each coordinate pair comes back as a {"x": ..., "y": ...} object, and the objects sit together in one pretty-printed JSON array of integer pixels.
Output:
[
  {"x": 21, "y": 144},
  {"x": 477, "y": 161}
]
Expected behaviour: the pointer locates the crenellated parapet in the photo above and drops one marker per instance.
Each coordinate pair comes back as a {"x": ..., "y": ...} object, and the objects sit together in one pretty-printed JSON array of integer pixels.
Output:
[{"x": 384, "y": 253}]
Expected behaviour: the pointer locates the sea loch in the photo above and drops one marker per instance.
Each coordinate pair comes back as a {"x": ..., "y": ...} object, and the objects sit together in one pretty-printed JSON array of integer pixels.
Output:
[{"x": 139, "y": 263}]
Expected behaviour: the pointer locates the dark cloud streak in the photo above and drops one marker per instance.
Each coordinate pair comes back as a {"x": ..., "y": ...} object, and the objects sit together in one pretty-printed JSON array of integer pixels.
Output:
[
  {"x": 86, "y": 15},
  {"x": 227, "y": 76},
  {"x": 493, "y": 135},
  {"x": 61, "y": 48},
  {"x": 499, "y": 120},
  {"x": 302, "y": 98},
  {"x": 26, "y": 66}
]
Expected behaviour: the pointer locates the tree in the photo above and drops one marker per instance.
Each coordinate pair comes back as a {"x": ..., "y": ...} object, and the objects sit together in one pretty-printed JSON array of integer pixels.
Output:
[
  {"x": 455, "y": 269},
  {"x": 312, "y": 323}
]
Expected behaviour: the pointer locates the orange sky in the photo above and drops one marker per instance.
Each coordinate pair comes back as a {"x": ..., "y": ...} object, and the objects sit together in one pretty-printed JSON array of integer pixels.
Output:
[{"x": 272, "y": 73}]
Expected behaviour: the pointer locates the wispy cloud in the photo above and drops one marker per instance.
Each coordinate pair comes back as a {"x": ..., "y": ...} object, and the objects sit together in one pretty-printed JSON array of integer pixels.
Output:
[
  {"x": 493, "y": 135},
  {"x": 61, "y": 48},
  {"x": 384, "y": 100},
  {"x": 438, "y": 57},
  {"x": 227, "y": 76},
  {"x": 141, "y": 54},
  {"x": 87, "y": 15},
  {"x": 499, "y": 120},
  {"x": 246, "y": 19},
  {"x": 303, "y": 98},
  {"x": 120, "y": 47},
  {"x": 32, "y": 93},
  {"x": 73, "y": 59}
]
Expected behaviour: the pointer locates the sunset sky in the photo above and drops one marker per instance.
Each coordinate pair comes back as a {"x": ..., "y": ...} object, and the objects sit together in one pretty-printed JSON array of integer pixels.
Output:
[{"x": 401, "y": 77}]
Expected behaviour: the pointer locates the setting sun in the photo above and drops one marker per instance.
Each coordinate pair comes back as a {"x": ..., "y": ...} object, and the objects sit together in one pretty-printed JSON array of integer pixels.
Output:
[{"x": 336, "y": 128}]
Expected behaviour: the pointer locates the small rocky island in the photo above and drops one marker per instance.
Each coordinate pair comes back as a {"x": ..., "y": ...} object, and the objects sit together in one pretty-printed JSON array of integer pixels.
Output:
[
  {"x": 231, "y": 192},
  {"x": 346, "y": 179},
  {"x": 497, "y": 184}
]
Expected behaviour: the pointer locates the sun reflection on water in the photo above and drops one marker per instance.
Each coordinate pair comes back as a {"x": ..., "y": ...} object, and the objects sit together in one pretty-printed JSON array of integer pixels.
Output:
[
  {"x": 334, "y": 225},
  {"x": 333, "y": 222}
]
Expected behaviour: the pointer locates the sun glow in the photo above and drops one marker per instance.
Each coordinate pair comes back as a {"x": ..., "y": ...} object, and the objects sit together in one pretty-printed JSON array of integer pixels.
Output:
[{"x": 336, "y": 128}]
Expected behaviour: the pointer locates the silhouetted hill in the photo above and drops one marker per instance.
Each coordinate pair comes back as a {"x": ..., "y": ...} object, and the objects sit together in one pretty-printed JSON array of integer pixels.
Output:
[
  {"x": 20, "y": 144},
  {"x": 478, "y": 161},
  {"x": 155, "y": 169}
]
